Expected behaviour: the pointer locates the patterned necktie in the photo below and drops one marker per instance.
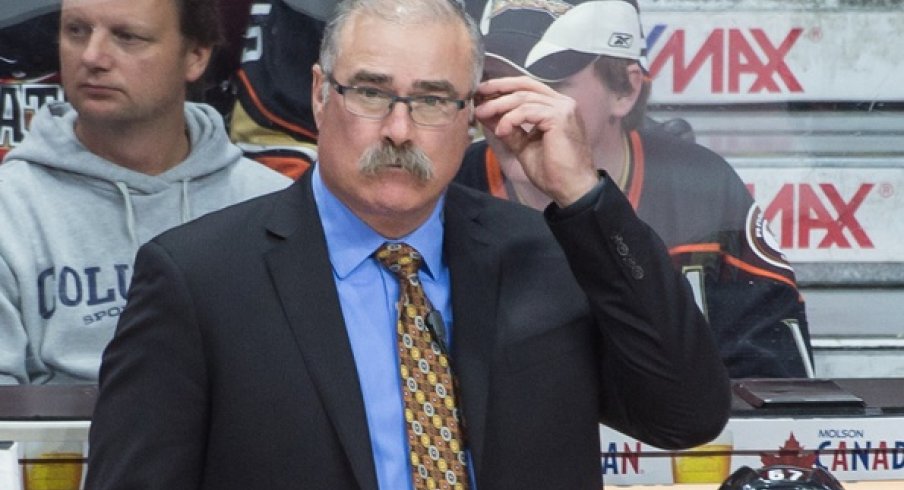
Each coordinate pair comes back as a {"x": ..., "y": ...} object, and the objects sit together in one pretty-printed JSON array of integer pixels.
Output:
[{"x": 435, "y": 436}]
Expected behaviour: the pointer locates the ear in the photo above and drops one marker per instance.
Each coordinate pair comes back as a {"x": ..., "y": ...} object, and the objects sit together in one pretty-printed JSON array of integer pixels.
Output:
[
  {"x": 625, "y": 102},
  {"x": 196, "y": 59},
  {"x": 317, "y": 101}
]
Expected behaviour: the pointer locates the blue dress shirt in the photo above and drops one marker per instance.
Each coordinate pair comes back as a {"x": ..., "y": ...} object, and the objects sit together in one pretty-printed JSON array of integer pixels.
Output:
[{"x": 368, "y": 294}]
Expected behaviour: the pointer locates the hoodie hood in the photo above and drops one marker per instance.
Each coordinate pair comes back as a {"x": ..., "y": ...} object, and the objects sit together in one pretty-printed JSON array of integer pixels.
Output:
[{"x": 52, "y": 143}]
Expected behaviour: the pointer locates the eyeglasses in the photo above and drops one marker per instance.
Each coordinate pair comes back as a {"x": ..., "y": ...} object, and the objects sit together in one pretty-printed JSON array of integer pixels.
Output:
[{"x": 373, "y": 103}]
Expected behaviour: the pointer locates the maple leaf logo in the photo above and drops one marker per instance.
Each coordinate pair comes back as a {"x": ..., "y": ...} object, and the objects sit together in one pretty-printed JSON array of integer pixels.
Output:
[{"x": 791, "y": 453}]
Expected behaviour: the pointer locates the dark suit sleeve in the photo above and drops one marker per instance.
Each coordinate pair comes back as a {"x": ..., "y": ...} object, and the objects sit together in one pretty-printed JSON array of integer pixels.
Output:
[
  {"x": 662, "y": 379},
  {"x": 149, "y": 426}
]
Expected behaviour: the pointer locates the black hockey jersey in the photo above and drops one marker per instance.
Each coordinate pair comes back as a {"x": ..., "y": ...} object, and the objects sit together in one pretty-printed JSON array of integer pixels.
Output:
[
  {"x": 273, "y": 121},
  {"x": 29, "y": 66},
  {"x": 716, "y": 236}
]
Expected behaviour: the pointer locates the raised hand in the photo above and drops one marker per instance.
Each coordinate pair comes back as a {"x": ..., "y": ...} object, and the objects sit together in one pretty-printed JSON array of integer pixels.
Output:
[{"x": 543, "y": 129}]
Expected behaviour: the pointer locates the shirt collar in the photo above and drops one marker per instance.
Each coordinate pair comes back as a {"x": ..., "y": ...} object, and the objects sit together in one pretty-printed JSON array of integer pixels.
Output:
[{"x": 350, "y": 241}]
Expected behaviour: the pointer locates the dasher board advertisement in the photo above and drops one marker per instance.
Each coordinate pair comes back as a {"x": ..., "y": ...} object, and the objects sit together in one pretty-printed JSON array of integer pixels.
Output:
[
  {"x": 831, "y": 213},
  {"x": 706, "y": 57},
  {"x": 10, "y": 473},
  {"x": 856, "y": 448}
]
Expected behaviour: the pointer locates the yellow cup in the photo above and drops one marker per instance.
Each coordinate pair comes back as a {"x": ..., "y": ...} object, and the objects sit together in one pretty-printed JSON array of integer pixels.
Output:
[
  {"x": 709, "y": 463},
  {"x": 59, "y": 469}
]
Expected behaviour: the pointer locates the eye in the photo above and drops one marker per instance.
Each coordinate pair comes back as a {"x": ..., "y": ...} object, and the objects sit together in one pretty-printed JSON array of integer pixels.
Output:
[
  {"x": 127, "y": 37},
  {"x": 76, "y": 30},
  {"x": 432, "y": 100},
  {"x": 370, "y": 93}
]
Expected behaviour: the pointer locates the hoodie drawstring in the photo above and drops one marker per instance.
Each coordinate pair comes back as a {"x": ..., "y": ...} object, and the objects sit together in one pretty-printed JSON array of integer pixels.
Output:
[
  {"x": 186, "y": 206},
  {"x": 130, "y": 212}
]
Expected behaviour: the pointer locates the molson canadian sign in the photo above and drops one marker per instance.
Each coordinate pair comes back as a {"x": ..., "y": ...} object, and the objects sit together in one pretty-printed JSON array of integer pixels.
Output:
[
  {"x": 851, "y": 449},
  {"x": 707, "y": 57}
]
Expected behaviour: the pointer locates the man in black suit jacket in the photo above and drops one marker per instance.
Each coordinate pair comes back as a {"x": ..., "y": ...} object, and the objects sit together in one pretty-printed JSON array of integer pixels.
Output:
[{"x": 232, "y": 367}]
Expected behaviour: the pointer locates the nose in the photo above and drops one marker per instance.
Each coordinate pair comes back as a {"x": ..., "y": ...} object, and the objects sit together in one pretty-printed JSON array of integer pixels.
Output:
[
  {"x": 95, "y": 54},
  {"x": 397, "y": 125}
]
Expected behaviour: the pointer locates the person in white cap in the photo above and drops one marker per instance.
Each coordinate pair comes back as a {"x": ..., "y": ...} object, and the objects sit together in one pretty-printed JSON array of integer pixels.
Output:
[{"x": 593, "y": 52}]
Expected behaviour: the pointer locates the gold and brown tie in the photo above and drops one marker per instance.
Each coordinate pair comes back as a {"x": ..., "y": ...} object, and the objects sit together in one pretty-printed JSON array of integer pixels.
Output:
[{"x": 435, "y": 435}]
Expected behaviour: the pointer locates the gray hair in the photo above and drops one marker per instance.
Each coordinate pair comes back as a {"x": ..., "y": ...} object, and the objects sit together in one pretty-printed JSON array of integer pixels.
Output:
[{"x": 400, "y": 12}]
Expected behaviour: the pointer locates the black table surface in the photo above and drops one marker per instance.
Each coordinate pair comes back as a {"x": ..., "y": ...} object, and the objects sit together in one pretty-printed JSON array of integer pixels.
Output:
[
  {"x": 881, "y": 396},
  {"x": 47, "y": 402}
]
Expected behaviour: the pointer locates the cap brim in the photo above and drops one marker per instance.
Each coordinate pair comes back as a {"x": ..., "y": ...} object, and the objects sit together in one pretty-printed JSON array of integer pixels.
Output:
[
  {"x": 16, "y": 11},
  {"x": 512, "y": 48},
  {"x": 318, "y": 9}
]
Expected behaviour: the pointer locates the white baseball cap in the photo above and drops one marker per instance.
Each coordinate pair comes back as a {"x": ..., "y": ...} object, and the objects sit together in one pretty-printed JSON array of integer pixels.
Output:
[{"x": 551, "y": 40}]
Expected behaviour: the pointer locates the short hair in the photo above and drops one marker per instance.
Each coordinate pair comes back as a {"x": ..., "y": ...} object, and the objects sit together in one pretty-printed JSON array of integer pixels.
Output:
[
  {"x": 401, "y": 12},
  {"x": 199, "y": 21},
  {"x": 613, "y": 72}
]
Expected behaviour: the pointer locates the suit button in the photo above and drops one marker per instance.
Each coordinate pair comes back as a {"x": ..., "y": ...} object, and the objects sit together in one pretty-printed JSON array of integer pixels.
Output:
[
  {"x": 622, "y": 249},
  {"x": 637, "y": 272}
]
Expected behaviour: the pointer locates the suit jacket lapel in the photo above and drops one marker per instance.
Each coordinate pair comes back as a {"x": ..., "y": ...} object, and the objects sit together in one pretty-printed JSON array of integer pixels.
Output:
[
  {"x": 303, "y": 278},
  {"x": 475, "y": 275}
]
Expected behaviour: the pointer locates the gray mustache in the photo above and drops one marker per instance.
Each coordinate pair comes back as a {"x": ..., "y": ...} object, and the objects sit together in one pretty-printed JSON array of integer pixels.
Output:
[{"x": 412, "y": 160}]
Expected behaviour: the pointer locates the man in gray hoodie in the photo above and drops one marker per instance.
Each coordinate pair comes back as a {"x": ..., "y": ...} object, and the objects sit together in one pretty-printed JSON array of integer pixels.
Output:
[{"x": 124, "y": 160}]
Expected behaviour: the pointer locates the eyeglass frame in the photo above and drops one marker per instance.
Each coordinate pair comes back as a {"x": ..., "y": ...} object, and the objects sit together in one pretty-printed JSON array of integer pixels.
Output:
[{"x": 340, "y": 89}]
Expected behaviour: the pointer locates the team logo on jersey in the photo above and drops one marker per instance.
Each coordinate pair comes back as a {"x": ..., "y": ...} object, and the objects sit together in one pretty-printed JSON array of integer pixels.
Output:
[{"x": 762, "y": 241}]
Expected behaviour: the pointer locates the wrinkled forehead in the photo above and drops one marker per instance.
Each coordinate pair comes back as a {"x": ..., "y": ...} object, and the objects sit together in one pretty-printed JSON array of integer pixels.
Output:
[
  {"x": 74, "y": 4},
  {"x": 115, "y": 5},
  {"x": 406, "y": 53},
  {"x": 111, "y": 7}
]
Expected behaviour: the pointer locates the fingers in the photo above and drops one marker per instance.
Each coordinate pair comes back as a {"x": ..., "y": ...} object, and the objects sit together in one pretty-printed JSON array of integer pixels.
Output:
[
  {"x": 498, "y": 86},
  {"x": 509, "y": 106},
  {"x": 543, "y": 129}
]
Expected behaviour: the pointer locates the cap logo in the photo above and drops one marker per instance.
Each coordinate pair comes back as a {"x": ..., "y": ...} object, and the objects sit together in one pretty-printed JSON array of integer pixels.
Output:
[
  {"x": 621, "y": 40},
  {"x": 574, "y": 31}
]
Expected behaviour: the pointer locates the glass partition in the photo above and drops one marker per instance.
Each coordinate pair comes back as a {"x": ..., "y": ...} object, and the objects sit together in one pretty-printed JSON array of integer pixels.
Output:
[{"x": 805, "y": 100}]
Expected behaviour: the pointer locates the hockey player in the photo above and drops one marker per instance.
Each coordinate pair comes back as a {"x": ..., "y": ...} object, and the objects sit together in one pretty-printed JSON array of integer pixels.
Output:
[
  {"x": 592, "y": 52},
  {"x": 272, "y": 120},
  {"x": 29, "y": 65}
]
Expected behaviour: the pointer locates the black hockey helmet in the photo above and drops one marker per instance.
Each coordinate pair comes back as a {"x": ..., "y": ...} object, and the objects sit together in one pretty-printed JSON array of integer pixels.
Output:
[{"x": 781, "y": 477}]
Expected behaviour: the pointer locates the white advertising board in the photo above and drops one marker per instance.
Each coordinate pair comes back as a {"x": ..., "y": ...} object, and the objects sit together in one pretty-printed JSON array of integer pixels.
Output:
[
  {"x": 856, "y": 448},
  {"x": 832, "y": 214},
  {"x": 706, "y": 57}
]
